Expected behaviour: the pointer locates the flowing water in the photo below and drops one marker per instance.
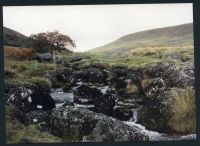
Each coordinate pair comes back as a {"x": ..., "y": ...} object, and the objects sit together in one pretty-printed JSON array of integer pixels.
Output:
[
  {"x": 153, "y": 135},
  {"x": 61, "y": 97},
  {"x": 103, "y": 89}
]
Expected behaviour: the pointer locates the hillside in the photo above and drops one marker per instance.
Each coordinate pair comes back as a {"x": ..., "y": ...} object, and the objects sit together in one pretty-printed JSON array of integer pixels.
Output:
[
  {"x": 101, "y": 95},
  {"x": 13, "y": 38},
  {"x": 173, "y": 36}
]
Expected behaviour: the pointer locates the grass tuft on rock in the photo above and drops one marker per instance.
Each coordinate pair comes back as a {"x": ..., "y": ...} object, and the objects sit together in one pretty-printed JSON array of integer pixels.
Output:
[
  {"x": 41, "y": 82},
  {"x": 184, "y": 115}
]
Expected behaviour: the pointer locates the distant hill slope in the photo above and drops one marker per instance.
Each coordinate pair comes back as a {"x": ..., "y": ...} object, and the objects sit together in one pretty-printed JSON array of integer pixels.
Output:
[
  {"x": 13, "y": 38},
  {"x": 169, "y": 36}
]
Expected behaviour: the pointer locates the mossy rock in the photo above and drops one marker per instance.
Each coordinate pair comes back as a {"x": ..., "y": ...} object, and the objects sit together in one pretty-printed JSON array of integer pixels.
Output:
[{"x": 41, "y": 82}]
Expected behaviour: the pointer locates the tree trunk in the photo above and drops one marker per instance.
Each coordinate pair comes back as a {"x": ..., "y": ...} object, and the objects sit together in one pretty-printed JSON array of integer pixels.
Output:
[{"x": 54, "y": 57}]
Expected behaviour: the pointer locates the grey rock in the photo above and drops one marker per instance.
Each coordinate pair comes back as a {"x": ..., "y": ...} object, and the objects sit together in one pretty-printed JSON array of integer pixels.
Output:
[
  {"x": 91, "y": 127},
  {"x": 44, "y": 57},
  {"x": 154, "y": 87},
  {"x": 30, "y": 98},
  {"x": 105, "y": 104},
  {"x": 59, "y": 76},
  {"x": 92, "y": 75},
  {"x": 90, "y": 93},
  {"x": 158, "y": 111},
  {"x": 174, "y": 75}
]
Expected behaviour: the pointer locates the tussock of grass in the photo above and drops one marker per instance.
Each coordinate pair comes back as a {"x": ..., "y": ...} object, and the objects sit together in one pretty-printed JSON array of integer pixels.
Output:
[
  {"x": 145, "y": 83},
  {"x": 131, "y": 88},
  {"x": 42, "y": 82},
  {"x": 184, "y": 115},
  {"x": 185, "y": 57},
  {"x": 24, "y": 81}
]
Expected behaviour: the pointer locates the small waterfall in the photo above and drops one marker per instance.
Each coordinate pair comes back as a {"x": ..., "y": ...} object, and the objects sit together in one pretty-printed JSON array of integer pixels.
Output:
[
  {"x": 83, "y": 106},
  {"x": 61, "y": 97},
  {"x": 153, "y": 135},
  {"x": 132, "y": 122},
  {"x": 135, "y": 115}
]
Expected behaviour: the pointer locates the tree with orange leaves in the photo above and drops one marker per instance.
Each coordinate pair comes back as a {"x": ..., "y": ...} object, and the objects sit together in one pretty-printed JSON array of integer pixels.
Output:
[{"x": 51, "y": 41}]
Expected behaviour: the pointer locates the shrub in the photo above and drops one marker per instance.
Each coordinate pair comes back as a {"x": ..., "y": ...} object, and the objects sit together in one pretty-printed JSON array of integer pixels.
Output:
[{"x": 17, "y": 53}]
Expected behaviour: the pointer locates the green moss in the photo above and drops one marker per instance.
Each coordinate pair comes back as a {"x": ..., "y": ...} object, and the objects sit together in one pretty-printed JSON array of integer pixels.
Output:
[
  {"x": 24, "y": 81},
  {"x": 18, "y": 81},
  {"x": 42, "y": 82}
]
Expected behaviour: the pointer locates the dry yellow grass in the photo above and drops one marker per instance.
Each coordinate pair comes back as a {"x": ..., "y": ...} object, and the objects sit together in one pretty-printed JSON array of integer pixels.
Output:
[
  {"x": 157, "y": 50},
  {"x": 184, "y": 115}
]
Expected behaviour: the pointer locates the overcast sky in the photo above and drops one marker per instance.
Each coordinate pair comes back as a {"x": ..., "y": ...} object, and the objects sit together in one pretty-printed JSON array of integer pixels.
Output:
[{"x": 95, "y": 25}]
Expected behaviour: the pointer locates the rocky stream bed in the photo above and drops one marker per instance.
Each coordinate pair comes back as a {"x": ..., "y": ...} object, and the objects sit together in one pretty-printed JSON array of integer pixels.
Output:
[
  {"x": 98, "y": 104},
  {"x": 63, "y": 97}
]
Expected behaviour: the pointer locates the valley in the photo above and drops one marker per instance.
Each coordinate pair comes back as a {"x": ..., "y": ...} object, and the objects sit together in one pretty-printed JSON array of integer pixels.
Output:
[{"x": 137, "y": 88}]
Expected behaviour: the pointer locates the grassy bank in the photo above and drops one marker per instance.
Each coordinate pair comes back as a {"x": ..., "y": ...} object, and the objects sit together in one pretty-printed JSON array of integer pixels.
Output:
[{"x": 17, "y": 132}]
